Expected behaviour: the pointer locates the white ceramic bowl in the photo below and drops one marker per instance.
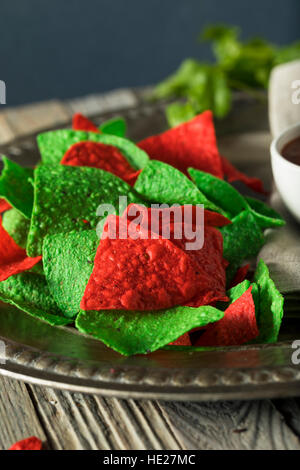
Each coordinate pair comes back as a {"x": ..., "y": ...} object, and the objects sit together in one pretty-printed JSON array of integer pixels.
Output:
[{"x": 287, "y": 174}]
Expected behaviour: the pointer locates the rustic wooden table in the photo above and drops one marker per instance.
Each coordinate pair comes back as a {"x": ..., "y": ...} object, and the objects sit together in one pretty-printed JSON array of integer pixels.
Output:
[{"x": 73, "y": 421}]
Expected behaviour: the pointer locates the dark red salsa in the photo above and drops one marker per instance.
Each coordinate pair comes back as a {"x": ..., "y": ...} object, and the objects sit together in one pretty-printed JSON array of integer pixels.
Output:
[{"x": 291, "y": 151}]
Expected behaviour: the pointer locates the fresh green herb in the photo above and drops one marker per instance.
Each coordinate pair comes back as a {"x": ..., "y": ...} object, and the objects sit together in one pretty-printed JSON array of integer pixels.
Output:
[{"x": 239, "y": 65}]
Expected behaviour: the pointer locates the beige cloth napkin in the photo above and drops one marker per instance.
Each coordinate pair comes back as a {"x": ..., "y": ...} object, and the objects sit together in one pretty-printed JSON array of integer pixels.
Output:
[{"x": 282, "y": 250}]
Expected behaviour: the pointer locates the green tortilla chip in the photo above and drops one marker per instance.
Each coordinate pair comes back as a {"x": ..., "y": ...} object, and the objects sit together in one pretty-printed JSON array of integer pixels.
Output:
[
  {"x": 29, "y": 292},
  {"x": 159, "y": 182},
  {"x": 270, "y": 305},
  {"x": 265, "y": 216},
  {"x": 66, "y": 198},
  {"x": 16, "y": 225},
  {"x": 38, "y": 269},
  {"x": 115, "y": 126},
  {"x": 255, "y": 295},
  {"x": 15, "y": 186},
  {"x": 130, "y": 332},
  {"x": 53, "y": 146},
  {"x": 220, "y": 192},
  {"x": 68, "y": 263},
  {"x": 241, "y": 240},
  {"x": 224, "y": 195},
  {"x": 237, "y": 291}
]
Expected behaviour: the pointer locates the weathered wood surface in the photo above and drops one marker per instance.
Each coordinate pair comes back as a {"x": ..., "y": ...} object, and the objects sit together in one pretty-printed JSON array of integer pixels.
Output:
[
  {"x": 74, "y": 421},
  {"x": 231, "y": 425},
  {"x": 18, "y": 418}
]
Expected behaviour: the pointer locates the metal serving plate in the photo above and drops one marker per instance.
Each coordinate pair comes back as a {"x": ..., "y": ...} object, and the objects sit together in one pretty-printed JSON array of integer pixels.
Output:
[{"x": 62, "y": 357}]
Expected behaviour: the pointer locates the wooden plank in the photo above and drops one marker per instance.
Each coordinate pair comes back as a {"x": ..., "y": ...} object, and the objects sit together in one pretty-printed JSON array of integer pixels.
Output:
[
  {"x": 22, "y": 120},
  {"x": 230, "y": 425},
  {"x": 290, "y": 410},
  {"x": 147, "y": 424},
  {"x": 101, "y": 103},
  {"x": 69, "y": 423},
  {"x": 18, "y": 419},
  {"x": 75, "y": 421},
  {"x": 6, "y": 132},
  {"x": 36, "y": 117}
]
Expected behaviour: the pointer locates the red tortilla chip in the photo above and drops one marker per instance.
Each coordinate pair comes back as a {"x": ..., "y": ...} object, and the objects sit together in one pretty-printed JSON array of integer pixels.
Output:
[
  {"x": 206, "y": 265},
  {"x": 191, "y": 144},
  {"x": 13, "y": 259},
  {"x": 98, "y": 155},
  {"x": 238, "y": 326},
  {"x": 209, "y": 259},
  {"x": 31, "y": 443},
  {"x": 240, "y": 275},
  {"x": 233, "y": 174},
  {"x": 211, "y": 264},
  {"x": 4, "y": 206},
  {"x": 183, "y": 340},
  {"x": 81, "y": 123},
  {"x": 213, "y": 219},
  {"x": 141, "y": 274}
]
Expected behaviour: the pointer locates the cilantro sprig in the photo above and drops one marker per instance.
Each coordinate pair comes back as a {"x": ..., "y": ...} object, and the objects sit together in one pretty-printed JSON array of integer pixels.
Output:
[{"x": 239, "y": 65}]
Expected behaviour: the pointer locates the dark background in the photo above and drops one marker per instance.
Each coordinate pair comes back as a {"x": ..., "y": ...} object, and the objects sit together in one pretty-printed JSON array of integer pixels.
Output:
[{"x": 68, "y": 48}]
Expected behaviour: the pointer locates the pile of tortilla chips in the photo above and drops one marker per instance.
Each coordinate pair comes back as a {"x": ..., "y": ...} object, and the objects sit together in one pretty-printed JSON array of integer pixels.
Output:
[{"x": 70, "y": 253}]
